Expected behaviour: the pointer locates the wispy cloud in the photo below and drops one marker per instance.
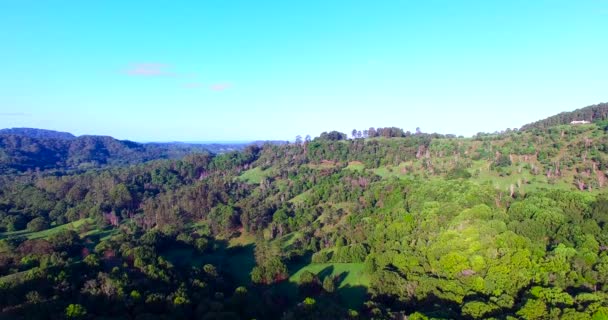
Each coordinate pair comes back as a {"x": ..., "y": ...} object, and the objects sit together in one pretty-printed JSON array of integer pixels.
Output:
[
  {"x": 166, "y": 70},
  {"x": 220, "y": 86},
  {"x": 193, "y": 85},
  {"x": 150, "y": 70},
  {"x": 14, "y": 114}
]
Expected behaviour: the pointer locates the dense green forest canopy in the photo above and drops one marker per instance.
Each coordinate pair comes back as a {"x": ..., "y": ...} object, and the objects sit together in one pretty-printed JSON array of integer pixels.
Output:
[{"x": 383, "y": 225}]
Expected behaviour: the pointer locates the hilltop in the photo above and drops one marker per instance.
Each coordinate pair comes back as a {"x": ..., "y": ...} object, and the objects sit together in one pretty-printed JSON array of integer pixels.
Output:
[
  {"x": 38, "y": 133},
  {"x": 594, "y": 113}
]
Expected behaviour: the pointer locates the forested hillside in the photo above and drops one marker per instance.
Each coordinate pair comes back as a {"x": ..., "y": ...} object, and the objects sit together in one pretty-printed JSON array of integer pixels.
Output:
[
  {"x": 27, "y": 149},
  {"x": 598, "y": 112},
  {"x": 21, "y": 153},
  {"x": 382, "y": 225}
]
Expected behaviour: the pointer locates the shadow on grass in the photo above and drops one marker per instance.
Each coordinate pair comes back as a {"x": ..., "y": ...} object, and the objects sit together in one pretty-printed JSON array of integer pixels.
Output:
[
  {"x": 240, "y": 261},
  {"x": 346, "y": 295},
  {"x": 297, "y": 263},
  {"x": 234, "y": 262},
  {"x": 352, "y": 297},
  {"x": 340, "y": 278},
  {"x": 326, "y": 272}
]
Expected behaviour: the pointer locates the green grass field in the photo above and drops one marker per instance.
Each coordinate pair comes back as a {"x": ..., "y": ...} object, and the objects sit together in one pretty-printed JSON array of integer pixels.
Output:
[
  {"x": 324, "y": 164},
  {"x": 255, "y": 175},
  {"x": 243, "y": 239},
  {"x": 517, "y": 176},
  {"x": 48, "y": 232},
  {"x": 288, "y": 240},
  {"x": 352, "y": 272},
  {"x": 14, "y": 278},
  {"x": 482, "y": 174},
  {"x": 299, "y": 199},
  {"x": 355, "y": 166},
  {"x": 391, "y": 171},
  {"x": 352, "y": 280}
]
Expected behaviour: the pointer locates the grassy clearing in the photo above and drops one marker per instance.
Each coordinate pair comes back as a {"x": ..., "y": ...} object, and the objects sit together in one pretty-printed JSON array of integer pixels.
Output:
[
  {"x": 352, "y": 280},
  {"x": 104, "y": 234},
  {"x": 282, "y": 184},
  {"x": 255, "y": 175},
  {"x": 346, "y": 206},
  {"x": 287, "y": 241},
  {"x": 392, "y": 171},
  {"x": 355, "y": 166},
  {"x": 383, "y": 172},
  {"x": 299, "y": 199},
  {"x": 517, "y": 176},
  {"x": 324, "y": 164},
  {"x": 243, "y": 239},
  {"x": 14, "y": 277},
  {"x": 48, "y": 232},
  {"x": 351, "y": 274}
]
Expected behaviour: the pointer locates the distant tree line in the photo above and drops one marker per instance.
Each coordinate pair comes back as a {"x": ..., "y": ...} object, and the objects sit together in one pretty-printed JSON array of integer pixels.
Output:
[{"x": 590, "y": 113}]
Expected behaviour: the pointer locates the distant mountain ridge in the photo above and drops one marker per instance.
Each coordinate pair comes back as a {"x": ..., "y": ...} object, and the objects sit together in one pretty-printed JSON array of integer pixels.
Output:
[
  {"x": 23, "y": 149},
  {"x": 39, "y": 133},
  {"x": 591, "y": 113},
  {"x": 22, "y": 153}
]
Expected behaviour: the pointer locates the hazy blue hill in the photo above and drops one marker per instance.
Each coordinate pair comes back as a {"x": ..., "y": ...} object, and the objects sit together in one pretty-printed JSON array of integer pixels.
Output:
[
  {"x": 20, "y": 153},
  {"x": 216, "y": 147},
  {"x": 39, "y": 133},
  {"x": 213, "y": 147},
  {"x": 273, "y": 142},
  {"x": 23, "y": 149}
]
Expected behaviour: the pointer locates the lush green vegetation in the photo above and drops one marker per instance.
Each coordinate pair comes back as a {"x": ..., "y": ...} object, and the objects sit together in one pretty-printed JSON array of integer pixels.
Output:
[{"x": 510, "y": 225}]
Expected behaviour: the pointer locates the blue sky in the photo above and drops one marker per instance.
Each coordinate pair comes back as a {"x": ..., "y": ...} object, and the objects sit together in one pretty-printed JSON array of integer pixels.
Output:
[{"x": 245, "y": 70}]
